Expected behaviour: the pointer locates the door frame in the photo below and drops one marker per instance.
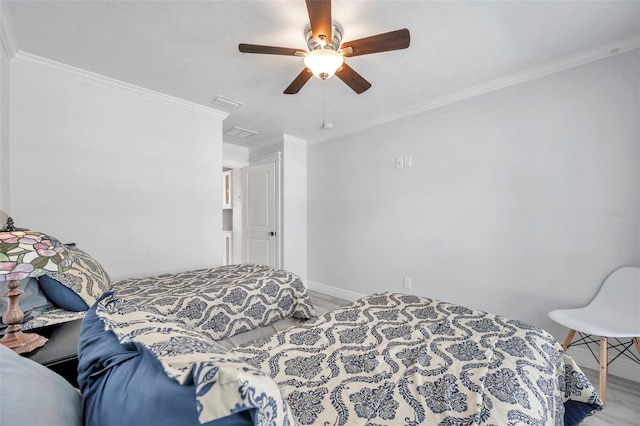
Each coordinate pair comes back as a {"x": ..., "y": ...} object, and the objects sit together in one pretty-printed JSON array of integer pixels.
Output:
[
  {"x": 236, "y": 235},
  {"x": 276, "y": 158}
]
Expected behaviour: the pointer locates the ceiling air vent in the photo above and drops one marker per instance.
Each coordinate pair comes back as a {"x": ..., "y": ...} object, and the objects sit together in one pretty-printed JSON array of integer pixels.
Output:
[
  {"x": 222, "y": 102},
  {"x": 240, "y": 133}
]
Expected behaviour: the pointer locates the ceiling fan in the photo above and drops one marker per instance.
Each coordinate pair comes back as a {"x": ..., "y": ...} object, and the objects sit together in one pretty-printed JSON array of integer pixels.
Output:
[{"x": 327, "y": 52}]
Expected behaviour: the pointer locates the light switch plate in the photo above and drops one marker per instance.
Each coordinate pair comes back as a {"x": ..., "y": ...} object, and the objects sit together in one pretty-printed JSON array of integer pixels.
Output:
[{"x": 406, "y": 283}]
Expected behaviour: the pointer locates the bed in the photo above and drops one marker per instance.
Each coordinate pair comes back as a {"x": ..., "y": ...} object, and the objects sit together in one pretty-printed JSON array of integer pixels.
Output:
[
  {"x": 222, "y": 301},
  {"x": 241, "y": 344},
  {"x": 230, "y": 304},
  {"x": 386, "y": 359}
]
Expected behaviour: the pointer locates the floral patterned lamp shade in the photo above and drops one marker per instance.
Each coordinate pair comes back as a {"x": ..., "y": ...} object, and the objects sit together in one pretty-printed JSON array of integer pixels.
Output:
[{"x": 25, "y": 254}]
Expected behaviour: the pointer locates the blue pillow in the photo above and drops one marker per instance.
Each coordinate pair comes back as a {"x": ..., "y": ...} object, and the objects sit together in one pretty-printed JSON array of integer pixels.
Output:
[
  {"x": 61, "y": 295},
  {"x": 86, "y": 278},
  {"x": 126, "y": 384},
  {"x": 32, "y": 302}
]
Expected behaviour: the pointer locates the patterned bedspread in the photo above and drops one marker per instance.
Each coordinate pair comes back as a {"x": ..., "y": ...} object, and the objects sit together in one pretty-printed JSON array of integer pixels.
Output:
[
  {"x": 401, "y": 359},
  {"x": 222, "y": 301},
  {"x": 50, "y": 317},
  {"x": 387, "y": 359}
]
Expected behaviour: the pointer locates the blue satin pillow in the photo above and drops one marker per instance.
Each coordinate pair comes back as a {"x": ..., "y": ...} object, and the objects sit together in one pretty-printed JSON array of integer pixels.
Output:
[
  {"x": 126, "y": 384},
  {"x": 61, "y": 295},
  {"x": 79, "y": 287}
]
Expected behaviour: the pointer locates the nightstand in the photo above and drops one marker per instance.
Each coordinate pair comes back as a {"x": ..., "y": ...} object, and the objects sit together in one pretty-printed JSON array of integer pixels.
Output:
[{"x": 60, "y": 353}]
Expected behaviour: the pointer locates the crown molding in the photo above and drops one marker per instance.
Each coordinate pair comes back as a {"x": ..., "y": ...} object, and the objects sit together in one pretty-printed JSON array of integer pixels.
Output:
[
  {"x": 266, "y": 144},
  {"x": 34, "y": 61},
  {"x": 235, "y": 156},
  {"x": 582, "y": 58},
  {"x": 285, "y": 138},
  {"x": 234, "y": 164},
  {"x": 233, "y": 148},
  {"x": 294, "y": 139},
  {"x": 7, "y": 35}
]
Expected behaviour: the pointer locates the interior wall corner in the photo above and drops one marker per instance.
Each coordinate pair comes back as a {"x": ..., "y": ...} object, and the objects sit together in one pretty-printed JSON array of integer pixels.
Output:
[{"x": 7, "y": 35}]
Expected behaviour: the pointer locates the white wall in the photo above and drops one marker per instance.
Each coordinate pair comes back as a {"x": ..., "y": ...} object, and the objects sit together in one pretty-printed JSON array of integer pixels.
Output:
[
  {"x": 6, "y": 51},
  {"x": 294, "y": 205},
  {"x": 505, "y": 206},
  {"x": 4, "y": 132},
  {"x": 133, "y": 179}
]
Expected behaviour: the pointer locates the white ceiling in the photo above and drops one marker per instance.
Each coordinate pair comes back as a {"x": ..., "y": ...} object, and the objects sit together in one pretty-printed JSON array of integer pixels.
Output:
[{"x": 189, "y": 49}]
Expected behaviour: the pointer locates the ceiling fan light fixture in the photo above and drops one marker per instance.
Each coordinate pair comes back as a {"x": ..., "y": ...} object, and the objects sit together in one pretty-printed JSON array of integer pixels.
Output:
[
  {"x": 323, "y": 63},
  {"x": 326, "y": 53}
]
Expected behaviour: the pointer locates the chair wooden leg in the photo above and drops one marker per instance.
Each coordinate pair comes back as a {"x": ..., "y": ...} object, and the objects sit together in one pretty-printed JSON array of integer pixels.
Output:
[
  {"x": 603, "y": 369},
  {"x": 567, "y": 341},
  {"x": 637, "y": 340}
]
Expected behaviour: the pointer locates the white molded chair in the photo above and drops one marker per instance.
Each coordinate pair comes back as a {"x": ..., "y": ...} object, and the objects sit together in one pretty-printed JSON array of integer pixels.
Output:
[{"x": 613, "y": 313}]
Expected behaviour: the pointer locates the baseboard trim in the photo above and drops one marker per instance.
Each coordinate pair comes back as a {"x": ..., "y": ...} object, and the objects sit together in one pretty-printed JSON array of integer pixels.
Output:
[
  {"x": 621, "y": 367},
  {"x": 334, "y": 291}
]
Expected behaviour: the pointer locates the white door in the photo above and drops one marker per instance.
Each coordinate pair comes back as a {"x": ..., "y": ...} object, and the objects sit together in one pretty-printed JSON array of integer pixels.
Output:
[{"x": 261, "y": 213}]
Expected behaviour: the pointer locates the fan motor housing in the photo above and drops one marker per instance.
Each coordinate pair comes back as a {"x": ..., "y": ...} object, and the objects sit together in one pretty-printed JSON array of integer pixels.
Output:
[{"x": 336, "y": 38}]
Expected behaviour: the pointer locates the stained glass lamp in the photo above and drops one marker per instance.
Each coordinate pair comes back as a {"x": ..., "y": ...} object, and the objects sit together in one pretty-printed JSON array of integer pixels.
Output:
[{"x": 25, "y": 254}]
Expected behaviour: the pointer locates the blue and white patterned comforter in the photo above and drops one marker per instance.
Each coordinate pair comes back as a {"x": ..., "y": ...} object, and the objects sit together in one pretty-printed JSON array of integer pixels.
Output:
[
  {"x": 386, "y": 359},
  {"x": 224, "y": 301},
  {"x": 221, "y": 302},
  {"x": 50, "y": 317}
]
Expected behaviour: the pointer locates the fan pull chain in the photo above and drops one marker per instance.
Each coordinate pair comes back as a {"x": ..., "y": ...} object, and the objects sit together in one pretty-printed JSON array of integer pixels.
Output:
[{"x": 323, "y": 106}]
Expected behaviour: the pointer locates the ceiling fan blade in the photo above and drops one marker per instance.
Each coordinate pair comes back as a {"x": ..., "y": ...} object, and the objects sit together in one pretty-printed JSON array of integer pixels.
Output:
[
  {"x": 393, "y": 40},
  {"x": 353, "y": 79},
  {"x": 320, "y": 18},
  {"x": 298, "y": 82},
  {"x": 270, "y": 50}
]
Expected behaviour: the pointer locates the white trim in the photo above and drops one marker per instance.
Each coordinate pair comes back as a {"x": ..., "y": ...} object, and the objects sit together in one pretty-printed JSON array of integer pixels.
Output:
[
  {"x": 621, "y": 367},
  {"x": 100, "y": 80},
  {"x": 240, "y": 150},
  {"x": 7, "y": 34},
  {"x": 277, "y": 141},
  {"x": 239, "y": 154},
  {"x": 268, "y": 158},
  {"x": 265, "y": 144},
  {"x": 294, "y": 139},
  {"x": 334, "y": 291},
  {"x": 234, "y": 164},
  {"x": 549, "y": 68}
]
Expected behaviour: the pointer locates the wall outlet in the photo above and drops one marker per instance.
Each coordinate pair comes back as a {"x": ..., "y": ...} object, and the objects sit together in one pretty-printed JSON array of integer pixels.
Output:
[
  {"x": 399, "y": 162},
  {"x": 406, "y": 283}
]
